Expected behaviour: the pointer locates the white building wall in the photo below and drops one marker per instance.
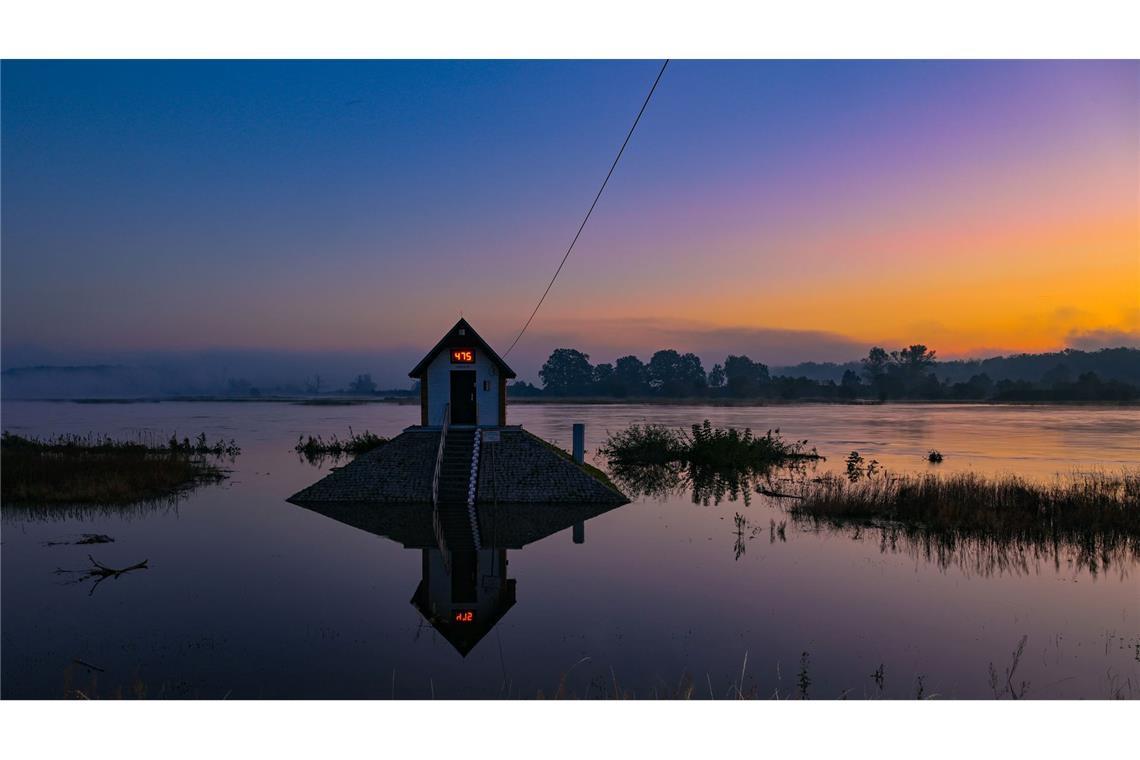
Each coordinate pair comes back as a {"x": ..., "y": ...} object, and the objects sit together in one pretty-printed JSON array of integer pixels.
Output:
[{"x": 439, "y": 387}]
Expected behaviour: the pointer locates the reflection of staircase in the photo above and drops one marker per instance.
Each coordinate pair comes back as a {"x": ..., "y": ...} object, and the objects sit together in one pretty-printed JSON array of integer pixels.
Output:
[{"x": 454, "y": 488}]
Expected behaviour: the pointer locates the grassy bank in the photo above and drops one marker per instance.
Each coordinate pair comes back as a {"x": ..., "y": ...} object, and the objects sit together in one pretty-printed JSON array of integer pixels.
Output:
[{"x": 101, "y": 470}]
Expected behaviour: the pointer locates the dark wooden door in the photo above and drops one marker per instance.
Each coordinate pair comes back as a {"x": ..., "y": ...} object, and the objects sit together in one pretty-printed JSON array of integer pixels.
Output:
[
  {"x": 464, "y": 577},
  {"x": 463, "y": 397}
]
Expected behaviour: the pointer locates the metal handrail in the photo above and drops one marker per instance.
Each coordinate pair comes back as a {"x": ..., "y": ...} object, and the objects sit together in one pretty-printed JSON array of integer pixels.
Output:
[
  {"x": 473, "y": 483},
  {"x": 437, "y": 527},
  {"x": 439, "y": 455}
]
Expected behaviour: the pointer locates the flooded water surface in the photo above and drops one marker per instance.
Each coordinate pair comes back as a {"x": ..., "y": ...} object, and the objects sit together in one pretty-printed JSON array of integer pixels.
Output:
[{"x": 248, "y": 596}]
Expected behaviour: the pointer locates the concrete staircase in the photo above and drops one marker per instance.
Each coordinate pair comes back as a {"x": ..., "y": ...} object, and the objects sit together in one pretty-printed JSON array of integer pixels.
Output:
[{"x": 454, "y": 491}]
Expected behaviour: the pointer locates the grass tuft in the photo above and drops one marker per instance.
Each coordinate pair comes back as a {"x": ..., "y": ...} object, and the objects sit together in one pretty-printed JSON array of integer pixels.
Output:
[
  {"x": 73, "y": 469},
  {"x": 997, "y": 518},
  {"x": 315, "y": 449}
]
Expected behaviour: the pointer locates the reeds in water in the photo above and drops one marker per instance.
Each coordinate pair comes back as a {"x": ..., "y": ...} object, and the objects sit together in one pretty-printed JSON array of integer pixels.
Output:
[
  {"x": 316, "y": 449},
  {"x": 969, "y": 501},
  {"x": 93, "y": 469},
  {"x": 998, "y": 521}
]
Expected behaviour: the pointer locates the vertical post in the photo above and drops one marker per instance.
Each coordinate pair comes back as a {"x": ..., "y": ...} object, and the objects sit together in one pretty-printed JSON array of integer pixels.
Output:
[
  {"x": 580, "y": 533},
  {"x": 579, "y": 442},
  {"x": 502, "y": 400},
  {"x": 424, "y": 399}
]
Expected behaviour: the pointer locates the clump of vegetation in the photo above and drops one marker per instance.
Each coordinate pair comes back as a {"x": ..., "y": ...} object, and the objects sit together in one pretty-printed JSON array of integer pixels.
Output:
[
  {"x": 728, "y": 448},
  {"x": 1085, "y": 501},
  {"x": 647, "y": 444},
  {"x": 71, "y": 469},
  {"x": 995, "y": 519},
  {"x": 713, "y": 463},
  {"x": 1002, "y": 686},
  {"x": 704, "y": 446},
  {"x": 219, "y": 448},
  {"x": 859, "y": 468},
  {"x": 803, "y": 680},
  {"x": 315, "y": 448},
  {"x": 934, "y": 456}
]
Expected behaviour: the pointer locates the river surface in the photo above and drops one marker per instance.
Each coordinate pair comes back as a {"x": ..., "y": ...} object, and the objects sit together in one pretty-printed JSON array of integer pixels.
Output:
[{"x": 249, "y": 596}]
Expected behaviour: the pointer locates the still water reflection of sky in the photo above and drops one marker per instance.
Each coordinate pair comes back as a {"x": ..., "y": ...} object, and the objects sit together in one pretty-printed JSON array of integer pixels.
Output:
[{"x": 251, "y": 596}]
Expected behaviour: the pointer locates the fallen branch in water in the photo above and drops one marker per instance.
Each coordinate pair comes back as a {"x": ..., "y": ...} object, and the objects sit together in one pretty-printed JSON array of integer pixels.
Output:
[
  {"x": 777, "y": 494},
  {"x": 86, "y": 538},
  {"x": 101, "y": 572},
  {"x": 85, "y": 664},
  {"x": 110, "y": 572}
]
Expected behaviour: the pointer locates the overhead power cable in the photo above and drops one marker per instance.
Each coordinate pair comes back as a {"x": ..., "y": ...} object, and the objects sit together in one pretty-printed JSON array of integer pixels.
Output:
[{"x": 585, "y": 219}]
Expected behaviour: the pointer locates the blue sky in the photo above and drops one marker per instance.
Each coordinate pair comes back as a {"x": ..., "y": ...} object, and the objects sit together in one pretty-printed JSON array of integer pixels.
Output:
[{"x": 360, "y": 206}]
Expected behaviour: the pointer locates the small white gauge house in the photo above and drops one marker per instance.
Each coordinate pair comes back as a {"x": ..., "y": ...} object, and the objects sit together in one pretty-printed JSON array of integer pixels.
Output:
[
  {"x": 465, "y": 372},
  {"x": 427, "y": 464}
]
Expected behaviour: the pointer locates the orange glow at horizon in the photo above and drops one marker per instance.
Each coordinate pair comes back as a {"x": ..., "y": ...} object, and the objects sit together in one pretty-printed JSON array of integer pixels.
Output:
[{"x": 785, "y": 208}]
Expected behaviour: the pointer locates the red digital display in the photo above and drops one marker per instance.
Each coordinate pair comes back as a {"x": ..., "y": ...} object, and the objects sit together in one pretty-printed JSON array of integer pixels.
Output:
[
  {"x": 462, "y": 356},
  {"x": 465, "y": 616}
]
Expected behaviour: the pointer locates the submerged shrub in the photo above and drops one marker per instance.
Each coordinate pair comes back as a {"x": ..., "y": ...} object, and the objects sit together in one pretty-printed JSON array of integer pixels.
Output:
[
  {"x": 648, "y": 444},
  {"x": 704, "y": 446}
]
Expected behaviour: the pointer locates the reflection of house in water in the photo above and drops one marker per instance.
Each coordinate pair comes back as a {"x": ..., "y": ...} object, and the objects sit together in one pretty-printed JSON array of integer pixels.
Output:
[
  {"x": 463, "y": 604},
  {"x": 463, "y": 486},
  {"x": 464, "y": 593}
]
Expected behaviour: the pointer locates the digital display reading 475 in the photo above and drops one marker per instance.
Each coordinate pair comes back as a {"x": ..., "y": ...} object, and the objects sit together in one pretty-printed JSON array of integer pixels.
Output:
[{"x": 462, "y": 356}]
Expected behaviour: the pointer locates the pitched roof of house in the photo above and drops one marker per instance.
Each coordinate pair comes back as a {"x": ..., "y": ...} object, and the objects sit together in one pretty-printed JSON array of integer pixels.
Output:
[
  {"x": 454, "y": 339},
  {"x": 464, "y": 636}
]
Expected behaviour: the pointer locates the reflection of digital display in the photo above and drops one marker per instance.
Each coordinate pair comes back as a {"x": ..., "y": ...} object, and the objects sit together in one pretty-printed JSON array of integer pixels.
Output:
[
  {"x": 462, "y": 356},
  {"x": 465, "y": 616}
]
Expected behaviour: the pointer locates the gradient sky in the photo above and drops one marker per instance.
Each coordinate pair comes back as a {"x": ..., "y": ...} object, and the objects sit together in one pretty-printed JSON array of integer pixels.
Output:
[{"x": 793, "y": 210}]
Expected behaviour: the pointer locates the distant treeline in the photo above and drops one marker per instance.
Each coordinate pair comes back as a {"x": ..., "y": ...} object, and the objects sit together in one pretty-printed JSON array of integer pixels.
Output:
[
  {"x": 913, "y": 372},
  {"x": 361, "y": 385}
]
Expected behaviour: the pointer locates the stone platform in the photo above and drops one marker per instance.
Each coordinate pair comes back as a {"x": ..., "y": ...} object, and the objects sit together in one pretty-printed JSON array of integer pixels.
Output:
[{"x": 520, "y": 469}]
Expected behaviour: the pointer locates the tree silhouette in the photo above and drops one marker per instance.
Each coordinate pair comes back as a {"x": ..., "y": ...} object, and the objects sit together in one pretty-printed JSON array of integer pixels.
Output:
[
  {"x": 362, "y": 384},
  {"x": 567, "y": 372},
  {"x": 744, "y": 377},
  {"x": 716, "y": 377},
  {"x": 674, "y": 374},
  {"x": 631, "y": 377}
]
